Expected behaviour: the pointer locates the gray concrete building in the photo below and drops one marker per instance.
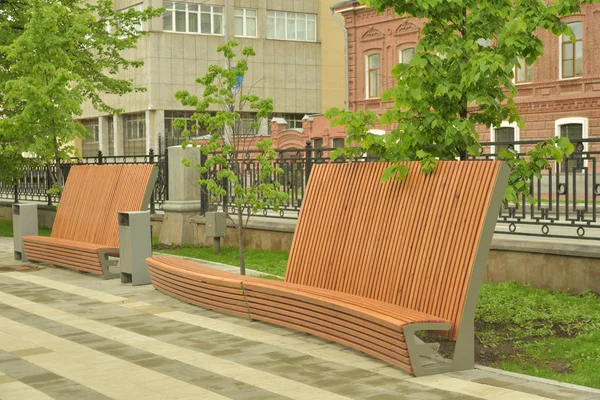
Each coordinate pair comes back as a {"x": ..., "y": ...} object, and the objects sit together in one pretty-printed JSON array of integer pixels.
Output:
[{"x": 287, "y": 36}]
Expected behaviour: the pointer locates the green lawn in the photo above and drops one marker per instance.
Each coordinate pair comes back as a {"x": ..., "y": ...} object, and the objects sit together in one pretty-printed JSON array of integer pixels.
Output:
[
  {"x": 6, "y": 229},
  {"x": 537, "y": 332},
  {"x": 269, "y": 262}
]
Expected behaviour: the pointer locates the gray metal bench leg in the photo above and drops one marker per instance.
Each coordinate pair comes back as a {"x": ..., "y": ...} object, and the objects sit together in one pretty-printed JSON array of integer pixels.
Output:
[
  {"x": 417, "y": 349},
  {"x": 106, "y": 263}
]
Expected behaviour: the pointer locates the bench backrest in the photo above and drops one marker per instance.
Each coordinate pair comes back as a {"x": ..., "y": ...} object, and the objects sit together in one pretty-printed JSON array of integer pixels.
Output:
[
  {"x": 94, "y": 194},
  {"x": 411, "y": 243}
]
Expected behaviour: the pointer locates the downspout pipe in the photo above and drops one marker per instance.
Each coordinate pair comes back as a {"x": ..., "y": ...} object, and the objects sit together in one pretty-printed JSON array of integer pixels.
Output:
[{"x": 332, "y": 8}]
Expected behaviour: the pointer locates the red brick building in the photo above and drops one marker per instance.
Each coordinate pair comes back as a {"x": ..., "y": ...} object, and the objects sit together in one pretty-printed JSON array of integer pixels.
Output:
[{"x": 558, "y": 95}]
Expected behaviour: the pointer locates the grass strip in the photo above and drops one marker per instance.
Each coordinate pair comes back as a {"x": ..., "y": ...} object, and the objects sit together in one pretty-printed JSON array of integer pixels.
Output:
[{"x": 6, "y": 229}]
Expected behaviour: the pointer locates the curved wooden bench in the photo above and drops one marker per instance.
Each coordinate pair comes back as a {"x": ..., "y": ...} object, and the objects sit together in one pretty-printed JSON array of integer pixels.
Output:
[
  {"x": 371, "y": 263},
  {"x": 86, "y": 231}
]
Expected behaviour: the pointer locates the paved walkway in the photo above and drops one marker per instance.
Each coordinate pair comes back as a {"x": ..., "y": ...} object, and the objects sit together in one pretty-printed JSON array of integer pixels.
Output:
[{"x": 67, "y": 335}]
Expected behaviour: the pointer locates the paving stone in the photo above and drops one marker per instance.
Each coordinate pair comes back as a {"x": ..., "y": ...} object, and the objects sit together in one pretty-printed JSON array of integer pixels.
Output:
[{"x": 353, "y": 374}]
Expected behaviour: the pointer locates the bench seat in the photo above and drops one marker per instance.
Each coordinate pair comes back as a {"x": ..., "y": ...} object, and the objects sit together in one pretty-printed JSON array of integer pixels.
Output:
[
  {"x": 370, "y": 326},
  {"x": 371, "y": 264},
  {"x": 80, "y": 256}
]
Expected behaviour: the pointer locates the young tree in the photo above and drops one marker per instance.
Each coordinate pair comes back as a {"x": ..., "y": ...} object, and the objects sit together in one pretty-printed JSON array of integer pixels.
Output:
[
  {"x": 460, "y": 76},
  {"x": 218, "y": 113},
  {"x": 55, "y": 55}
]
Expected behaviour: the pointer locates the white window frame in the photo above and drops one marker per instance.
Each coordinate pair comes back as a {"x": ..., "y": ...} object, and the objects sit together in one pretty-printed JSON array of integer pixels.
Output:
[
  {"x": 367, "y": 80},
  {"x": 245, "y": 22},
  {"x": 199, "y": 13},
  {"x": 401, "y": 49},
  {"x": 574, "y": 120},
  {"x": 505, "y": 124},
  {"x": 560, "y": 59},
  {"x": 272, "y": 15},
  {"x": 138, "y": 27},
  {"x": 136, "y": 119},
  {"x": 514, "y": 80}
]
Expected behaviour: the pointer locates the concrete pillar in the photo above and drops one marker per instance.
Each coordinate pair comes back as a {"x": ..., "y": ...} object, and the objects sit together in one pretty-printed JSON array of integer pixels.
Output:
[
  {"x": 119, "y": 134},
  {"x": 184, "y": 198},
  {"x": 103, "y": 135},
  {"x": 155, "y": 123}
]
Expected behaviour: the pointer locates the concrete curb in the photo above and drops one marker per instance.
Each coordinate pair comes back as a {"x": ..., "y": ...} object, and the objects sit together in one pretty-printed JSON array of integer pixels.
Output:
[{"x": 540, "y": 380}]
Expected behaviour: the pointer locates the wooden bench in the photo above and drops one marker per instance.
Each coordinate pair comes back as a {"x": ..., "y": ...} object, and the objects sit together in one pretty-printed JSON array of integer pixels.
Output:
[
  {"x": 85, "y": 231},
  {"x": 371, "y": 263}
]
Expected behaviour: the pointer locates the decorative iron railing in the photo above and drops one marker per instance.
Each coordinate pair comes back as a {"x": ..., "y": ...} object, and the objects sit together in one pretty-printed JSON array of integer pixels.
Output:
[
  {"x": 37, "y": 181},
  {"x": 566, "y": 197}
]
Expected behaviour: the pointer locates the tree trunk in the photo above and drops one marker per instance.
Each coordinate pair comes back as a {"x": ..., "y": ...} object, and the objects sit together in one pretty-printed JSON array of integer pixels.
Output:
[
  {"x": 240, "y": 228},
  {"x": 462, "y": 151}
]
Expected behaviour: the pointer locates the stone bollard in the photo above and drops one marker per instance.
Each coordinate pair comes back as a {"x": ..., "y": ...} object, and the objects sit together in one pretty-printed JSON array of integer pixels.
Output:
[
  {"x": 184, "y": 197},
  {"x": 25, "y": 223},
  {"x": 135, "y": 245}
]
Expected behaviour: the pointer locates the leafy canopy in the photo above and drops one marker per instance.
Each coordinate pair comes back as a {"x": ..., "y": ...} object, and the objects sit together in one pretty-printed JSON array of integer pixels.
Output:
[
  {"x": 55, "y": 55},
  {"x": 461, "y": 75}
]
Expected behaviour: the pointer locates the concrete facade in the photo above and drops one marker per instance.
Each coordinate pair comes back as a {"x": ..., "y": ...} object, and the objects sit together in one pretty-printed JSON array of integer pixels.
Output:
[{"x": 291, "y": 72}]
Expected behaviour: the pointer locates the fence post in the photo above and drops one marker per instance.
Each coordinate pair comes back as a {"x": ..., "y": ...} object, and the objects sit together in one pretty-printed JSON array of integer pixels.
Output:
[
  {"x": 48, "y": 184},
  {"x": 151, "y": 161},
  {"x": 99, "y": 157},
  {"x": 309, "y": 160},
  {"x": 166, "y": 175},
  {"x": 203, "y": 192}
]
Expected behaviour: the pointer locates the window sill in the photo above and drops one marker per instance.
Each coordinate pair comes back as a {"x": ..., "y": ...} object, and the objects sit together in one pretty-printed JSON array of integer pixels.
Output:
[
  {"x": 573, "y": 78},
  {"x": 292, "y": 40},
  {"x": 195, "y": 33}
]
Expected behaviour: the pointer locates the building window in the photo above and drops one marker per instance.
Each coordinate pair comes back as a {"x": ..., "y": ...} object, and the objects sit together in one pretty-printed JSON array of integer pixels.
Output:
[
  {"x": 134, "y": 127},
  {"x": 507, "y": 132},
  {"x": 338, "y": 143},
  {"x": 137, "y": 27},
  {"x": 91, "y": 141},
  {"x": 172, "y": 134},
  {"x": 575, "y": 129},
  {"x": 317, "y": 146},
  {"x": 291, "y": 26},
  {"x": 373, "y": 76},
  {"x": 110, "y": 131},
  {"x": 572, "y": 52},
  {"x": 193, "y": 18},
  {"x": 294, "y": 121},
  {"x": 245, "y": 22},
  {"x": 523, "y": 75},
  {"x": 405, "y": 55},
  {"x": 244, "y": 126}
]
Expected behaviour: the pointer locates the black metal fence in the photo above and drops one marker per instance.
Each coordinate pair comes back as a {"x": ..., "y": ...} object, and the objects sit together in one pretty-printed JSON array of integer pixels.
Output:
[
  {"x": 37, "y": 181},
  {"x": 566, "y": 197}
]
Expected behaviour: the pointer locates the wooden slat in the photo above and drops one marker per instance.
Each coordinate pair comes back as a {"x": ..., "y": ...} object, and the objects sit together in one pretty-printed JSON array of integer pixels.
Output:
[{"x": 409, "y": 243}]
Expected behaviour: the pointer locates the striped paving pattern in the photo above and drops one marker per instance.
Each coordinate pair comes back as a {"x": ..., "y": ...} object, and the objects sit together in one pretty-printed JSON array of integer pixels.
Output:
[{"x": 66, "y": 335}]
